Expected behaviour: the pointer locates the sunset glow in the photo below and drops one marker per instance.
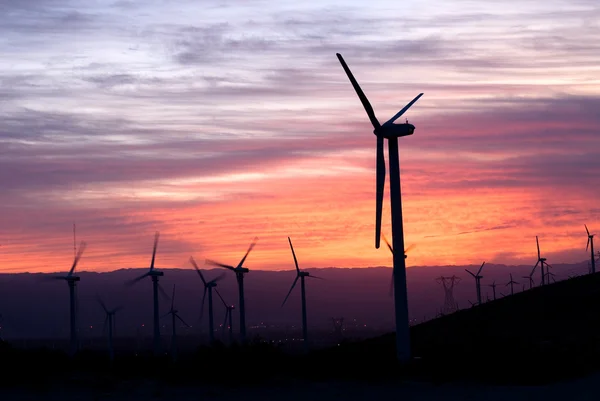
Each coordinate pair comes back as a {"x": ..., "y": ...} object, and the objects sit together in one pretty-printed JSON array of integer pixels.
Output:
[{"x": 217, "y": 122}]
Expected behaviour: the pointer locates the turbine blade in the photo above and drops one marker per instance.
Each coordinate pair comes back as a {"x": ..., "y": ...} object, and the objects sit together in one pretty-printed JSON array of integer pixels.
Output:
[
  {"x": 220, "y": 297},
  {"x": 534, "y": 267},
  {"x": 479, "y": 271},
  {"x": 537, "y": 242},
  {"x": 202, "y": 304},
  {"x": 311, "y": 276},
  {"x": 135, "y": 280},
  {"x": 247, "y": 252},
  {"x": 77, "y": 257},
  {"x": 173, "y": 298},
  {"x": 588, "y": 244},
  {"x": 411, "y": 246},
  {"x": 182, "y": 321},
  {"x": 468, "y": 271},
  {"x": 156, "y": 235},
  {"x": 102, "y": 304},
  {"x": 586, "y": 229},
  {"x": 218, "y": 278},
  {"x": 294, "y": 255},
  {"x": 398, "y": 114},
  {"x": 388, "y": 244},
  {"x": 360, "y": 93},
  {"x": 213, "y": 263},
  {"x": 193, "y": 262},
  {"x": 163, "y": 292},
  {"x": 288, "y": 294},
  {"x": 380, "y": 185}
]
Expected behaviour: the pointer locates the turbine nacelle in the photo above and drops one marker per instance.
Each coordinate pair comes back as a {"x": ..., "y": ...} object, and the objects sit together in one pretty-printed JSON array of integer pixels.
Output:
[{"x": 392, "y": 130}]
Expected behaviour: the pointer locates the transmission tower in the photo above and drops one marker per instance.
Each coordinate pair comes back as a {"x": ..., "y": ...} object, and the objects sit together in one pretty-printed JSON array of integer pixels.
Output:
[{"x": 448, "y": 283}]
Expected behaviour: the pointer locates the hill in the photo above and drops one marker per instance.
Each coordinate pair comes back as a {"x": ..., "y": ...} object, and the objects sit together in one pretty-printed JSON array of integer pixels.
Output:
[{"x": 537, "y": 336}]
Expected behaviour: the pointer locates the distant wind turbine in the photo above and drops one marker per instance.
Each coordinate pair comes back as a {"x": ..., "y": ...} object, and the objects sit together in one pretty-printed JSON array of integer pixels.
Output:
[
  {"x": 109, "y": 323},
  {"x": 300, "y": 275},
  {"x": 493, "y": 285},
  {"x": 477, "y": 278},
  {"x": 174, "y": 317},
  {"x": 529, "y": 279},
  {"x": 392, "y": 132},
  {"x": 154, "y": 274},
  {"x": 512, "y": 283},
  {"x": 239, "y": 271},
  {"x": 228, "y": 311},
  {"x": 208, "y": 287},
  {"x": 392, "y": 251},
  {"x": 541, "y": 261},
  {"x": 72, "y": 280},
  {"x": 590, "y": 245}
]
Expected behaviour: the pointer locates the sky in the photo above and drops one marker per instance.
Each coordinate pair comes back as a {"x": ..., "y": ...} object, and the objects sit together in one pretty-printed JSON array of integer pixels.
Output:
[{"x": 217, "y": 121}]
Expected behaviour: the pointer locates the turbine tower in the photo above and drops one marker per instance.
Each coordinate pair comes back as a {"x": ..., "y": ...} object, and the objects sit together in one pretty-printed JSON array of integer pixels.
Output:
[
  {"x": 228, "y": 310},
  {"x": 477, "y": 282},
  {"x": 208, "y": 287},
  {"x": 300, "y": 275},
  {"x": 448, "y": 283},
  {"x": 154, "y": 274},
  {"x": 541, "y": 262},
  {"x": 392, "y": 132},
  {"x": 174, "y": 317},
  {"x": 110, "y": 321},
  {"x": 72, "y": 280},
  {"x": 493, "y": 285},
  {"x": 512, "y": 283},
  {"x": 590, "y": 245},
  {"x": 239, "y": 271}
]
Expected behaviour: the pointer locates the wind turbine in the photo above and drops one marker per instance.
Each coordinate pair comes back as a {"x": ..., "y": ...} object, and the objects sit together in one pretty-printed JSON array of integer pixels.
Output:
[
  {"x": 530, "y": 279},
  {"x": 493, "y": 285},
  {"x": 208, "y": 287},
  {"x": 511, "y": 283},
  {"x": 392, "y": 251},
  {"x": 300, "y": 275},
  {"x": 392, "y": 132},
  {"x": 154, "y": 275},
  {"x": 110, "y": 320},
  {"x": 174, "y": 317},
  {"x": 228, "y": 310},
  {"x": 72, "y": 280},
  {"x": 541, "y": 261},
  {"x": 239, "y": 271},
  {"x": 590, "y": 244},
  {"x": 477, "y": 282}
]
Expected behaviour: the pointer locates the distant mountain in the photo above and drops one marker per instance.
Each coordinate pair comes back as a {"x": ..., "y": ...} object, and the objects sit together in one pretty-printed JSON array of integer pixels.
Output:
[{"x": 32, "y": 307}]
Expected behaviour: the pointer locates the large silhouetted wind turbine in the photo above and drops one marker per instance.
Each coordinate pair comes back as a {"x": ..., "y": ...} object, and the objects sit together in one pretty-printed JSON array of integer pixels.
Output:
[
  {"x": 154, "y": 274},
  {"x": 477, "y": 282},
  {"x": 300, "y": 275},
  {"x": 72, "y": 280},
  {"x": 208, "y": 287},
  {"x": 590, "y": 245},
  {"x": 239, "y": 271},
  {"x": 392, "y": 132}
]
